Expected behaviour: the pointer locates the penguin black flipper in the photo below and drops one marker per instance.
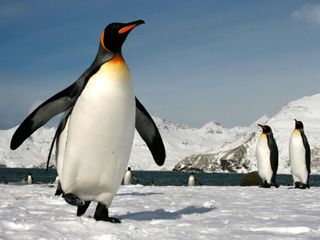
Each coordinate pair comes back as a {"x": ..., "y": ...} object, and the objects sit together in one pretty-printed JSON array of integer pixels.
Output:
[
  {"x": 60, "y": 128},
  {"x": 273, "y": 154},
  {"x": 41, "y": 115},
  {"x": 150, "y": 133},
  {"x": 307, "y": 147},
  {"x": 274, "y": 161}
]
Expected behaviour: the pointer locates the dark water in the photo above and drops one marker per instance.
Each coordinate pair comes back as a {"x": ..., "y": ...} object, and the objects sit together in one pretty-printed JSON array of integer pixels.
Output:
[{"x": 160, "y": 178}]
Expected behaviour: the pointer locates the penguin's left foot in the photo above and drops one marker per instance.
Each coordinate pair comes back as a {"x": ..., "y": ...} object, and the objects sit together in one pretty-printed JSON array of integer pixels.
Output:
[
  {"x": 265, "y": 185},
  {"x": 304, "y": 186},
  {"x": 73, "y": 199},
  {"x": 59, "y": 190},
  {"x": 102, "y": 214}
]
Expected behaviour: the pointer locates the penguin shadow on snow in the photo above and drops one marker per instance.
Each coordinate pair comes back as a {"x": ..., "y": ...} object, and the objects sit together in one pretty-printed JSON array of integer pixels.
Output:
[{"x": 162, "y": 214}]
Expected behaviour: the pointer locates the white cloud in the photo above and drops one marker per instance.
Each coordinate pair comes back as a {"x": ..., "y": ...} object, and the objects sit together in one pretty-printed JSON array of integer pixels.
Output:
[{"x": 308, "y": 13}]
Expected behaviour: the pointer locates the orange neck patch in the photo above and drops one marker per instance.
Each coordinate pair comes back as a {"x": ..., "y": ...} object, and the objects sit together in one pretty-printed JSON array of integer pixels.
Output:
[
  {"x": 102, "y": 41},
  {"x": 117, "y": 59}
]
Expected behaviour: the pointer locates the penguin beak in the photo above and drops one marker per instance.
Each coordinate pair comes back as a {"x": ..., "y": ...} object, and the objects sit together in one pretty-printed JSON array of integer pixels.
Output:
[
  {"x": 296, "y": 120},
  {"x": 260, "y": 126},
  {"x": 129, "y": 26}
]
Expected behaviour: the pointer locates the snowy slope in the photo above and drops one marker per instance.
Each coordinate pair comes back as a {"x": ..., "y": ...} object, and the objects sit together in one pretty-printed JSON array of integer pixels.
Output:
[
  {"x": 157, "y": 213},
  {"x": 32, "y": 153},
  {"x": 240, "y": 156},
  {"x": 179, "y": 141}
]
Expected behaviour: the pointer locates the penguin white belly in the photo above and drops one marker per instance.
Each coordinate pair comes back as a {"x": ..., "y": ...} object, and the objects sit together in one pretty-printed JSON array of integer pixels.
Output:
[
  {"x": 263, "y": 157},
  {"x": 297, "y": 155},
  {"x": 100, "y": 135},
  {"x": 191, "y": 181},
  {"x": 29, "y": 180},
  {"x": 127, "y": 178}
]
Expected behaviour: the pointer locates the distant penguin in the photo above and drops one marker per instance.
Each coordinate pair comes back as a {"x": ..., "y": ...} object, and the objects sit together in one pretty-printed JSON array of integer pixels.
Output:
[
  {"x": 3, "y": 180},
  {"x": 299, "y": 155},
  {"x": 127, "y": 179},
  {"x": 267, "y": 157},
  {"x": 29, "y": 179},
  {"x": 95, "y": 135},
  {"x": 191, "y": 180},
  {"x": 151, "y": 183}
]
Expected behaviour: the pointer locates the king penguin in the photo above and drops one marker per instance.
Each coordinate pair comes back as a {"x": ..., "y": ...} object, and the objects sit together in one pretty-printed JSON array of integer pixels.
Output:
[
  {"x": 127, "y": 179},
  {"x": 191, "y": 180},
  {"x": 94, "y": 137},
  {"x": 29, "y": 179},
  {"x": 267, "y": 156},
  {"x": 299, "y": 155}
]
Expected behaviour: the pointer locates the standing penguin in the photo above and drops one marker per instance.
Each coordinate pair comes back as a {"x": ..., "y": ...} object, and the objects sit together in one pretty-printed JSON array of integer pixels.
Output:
[
  {"x": 127, "y": 179},
  {"x": 94, "y": 138},
  {"x": 267, "y": 156},
  {"x": 191, "y": 180},
  {"x": 29, "y": 179},
  {"x": 299, "y": 155}
]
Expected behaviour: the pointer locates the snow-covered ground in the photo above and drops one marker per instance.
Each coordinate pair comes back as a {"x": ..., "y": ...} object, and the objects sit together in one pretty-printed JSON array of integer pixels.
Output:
[{"x": 32, "y": 212}]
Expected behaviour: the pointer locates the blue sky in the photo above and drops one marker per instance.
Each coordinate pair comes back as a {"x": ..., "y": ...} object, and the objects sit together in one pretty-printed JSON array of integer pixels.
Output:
[{"x": 192, "y": 62}]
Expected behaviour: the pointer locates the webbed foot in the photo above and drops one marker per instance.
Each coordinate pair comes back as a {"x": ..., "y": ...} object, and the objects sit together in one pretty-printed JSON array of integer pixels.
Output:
[{"x": 102, "y": 214}]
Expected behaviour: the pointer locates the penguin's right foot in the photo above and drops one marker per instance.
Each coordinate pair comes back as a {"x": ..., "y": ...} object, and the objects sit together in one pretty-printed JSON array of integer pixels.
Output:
[
  {"x": 301, "y": 185},
  {"x": 265, "y": 185},
  {"x": 297, "y": 184},
  {"x": 102, "y": 214},
  {"x": 83, "y": 208}
]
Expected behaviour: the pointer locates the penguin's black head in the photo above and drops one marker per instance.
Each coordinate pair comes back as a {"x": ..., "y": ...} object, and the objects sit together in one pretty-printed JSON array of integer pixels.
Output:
[
  {"x": 115, "y": 34},
  {"x": 129, "y": 168},
  {"x": 299, "y": 124},
  {"x": 265, "y": 128}
]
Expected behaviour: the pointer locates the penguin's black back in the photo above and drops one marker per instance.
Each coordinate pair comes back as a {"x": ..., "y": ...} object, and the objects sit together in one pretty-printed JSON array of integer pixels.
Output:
[
  {"x": 307, "y": 148},
  {"x": 273, "y": 152}
]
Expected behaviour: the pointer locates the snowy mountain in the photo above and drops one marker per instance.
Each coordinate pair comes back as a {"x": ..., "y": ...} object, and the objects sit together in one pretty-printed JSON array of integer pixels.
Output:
[
  {"x": 209, "y": 148},
  {"x": 179, "y": 140},
  {"x": 240, "y": 156}
]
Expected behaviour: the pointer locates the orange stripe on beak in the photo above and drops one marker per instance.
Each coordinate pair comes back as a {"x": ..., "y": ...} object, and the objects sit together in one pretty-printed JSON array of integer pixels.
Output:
[
  {"x": 102, "y": 41},
  {"x": 127, "y": 28}
]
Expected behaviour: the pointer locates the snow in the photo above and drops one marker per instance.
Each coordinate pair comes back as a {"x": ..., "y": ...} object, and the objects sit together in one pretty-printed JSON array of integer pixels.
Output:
[{"x": 206, "y": 212}]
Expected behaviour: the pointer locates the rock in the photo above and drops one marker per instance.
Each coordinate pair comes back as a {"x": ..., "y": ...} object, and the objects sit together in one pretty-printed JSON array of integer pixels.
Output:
[{"x": 251, "y": 179}]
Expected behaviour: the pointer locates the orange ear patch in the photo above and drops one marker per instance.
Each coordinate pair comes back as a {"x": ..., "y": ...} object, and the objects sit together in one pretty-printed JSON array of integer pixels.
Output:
[
  {"x": 127, "y": 28},
  {"x": 102, "y": 41}
]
